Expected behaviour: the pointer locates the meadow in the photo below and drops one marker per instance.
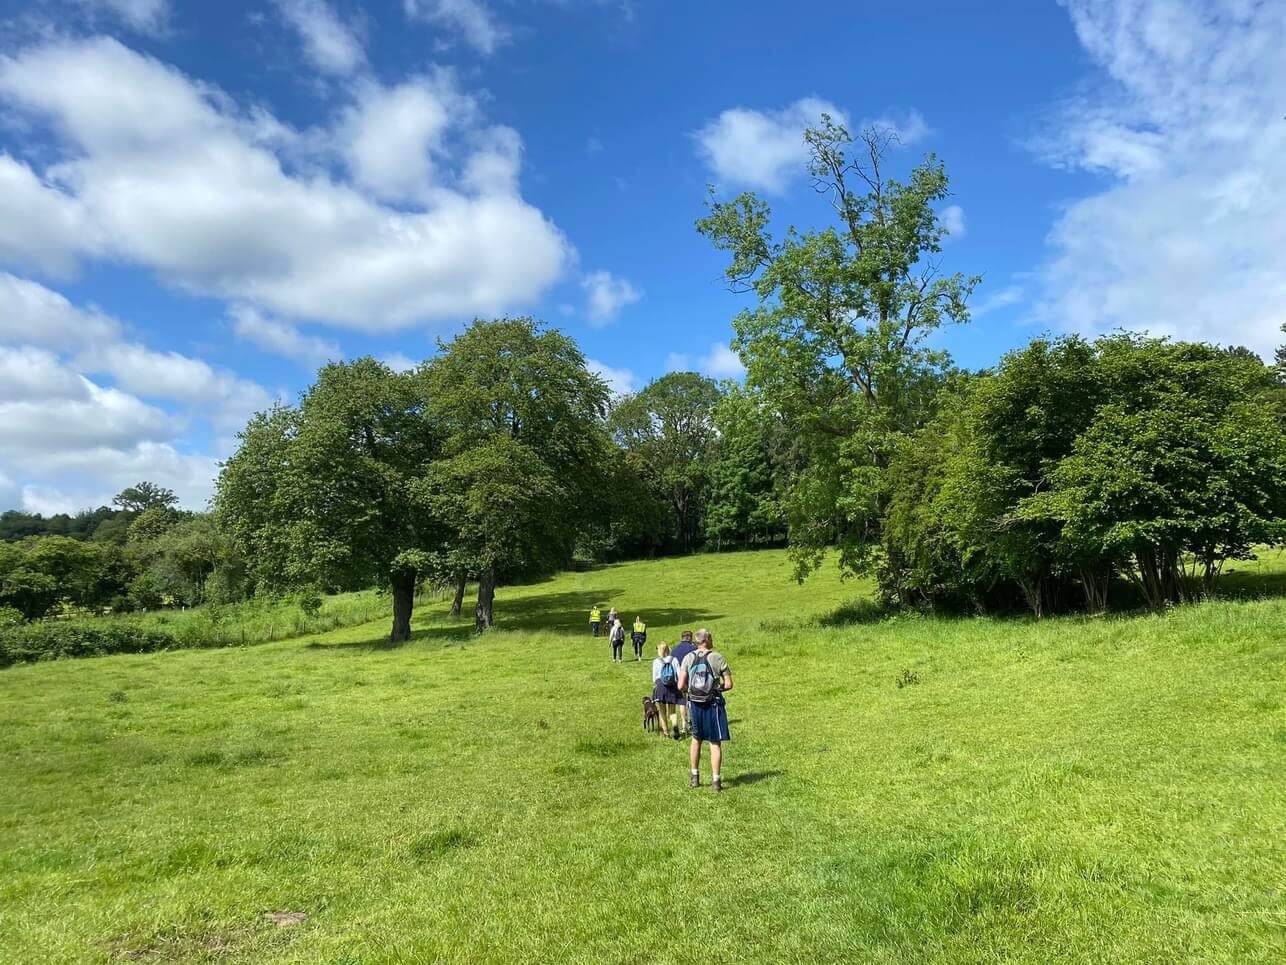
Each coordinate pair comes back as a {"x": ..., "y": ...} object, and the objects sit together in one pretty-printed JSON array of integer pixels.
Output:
[{"x": 900, "y": 788}]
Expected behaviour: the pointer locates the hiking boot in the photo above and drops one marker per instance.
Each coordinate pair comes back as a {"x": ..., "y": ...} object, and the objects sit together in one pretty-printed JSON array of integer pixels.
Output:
[
  {"x": 695, "y": 781},
  {"x": 716, "y": 785}
]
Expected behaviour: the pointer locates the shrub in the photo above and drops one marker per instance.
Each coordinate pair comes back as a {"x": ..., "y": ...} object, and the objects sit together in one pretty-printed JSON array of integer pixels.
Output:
[
  {"x": 48, "y": 640},
  {"x": 10, "y": 617}
]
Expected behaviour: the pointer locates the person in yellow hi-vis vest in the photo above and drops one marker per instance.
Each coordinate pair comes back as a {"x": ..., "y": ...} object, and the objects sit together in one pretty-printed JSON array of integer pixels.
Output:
[
  {"x": 595, "y": 619},
  {"x": 639, "y": 637}
]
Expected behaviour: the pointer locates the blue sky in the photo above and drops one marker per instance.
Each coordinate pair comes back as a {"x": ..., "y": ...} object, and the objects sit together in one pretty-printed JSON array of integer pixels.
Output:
[{"x": 199, "y": 203}]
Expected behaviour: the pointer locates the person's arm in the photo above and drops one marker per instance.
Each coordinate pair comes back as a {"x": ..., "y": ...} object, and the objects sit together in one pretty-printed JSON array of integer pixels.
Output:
[
  {"x": 683, "y": 676},
  {"x": 725, "y": 682}
]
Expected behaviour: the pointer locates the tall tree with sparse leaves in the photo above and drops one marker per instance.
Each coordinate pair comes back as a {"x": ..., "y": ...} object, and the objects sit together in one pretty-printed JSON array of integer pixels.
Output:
[{"x": 838, "y": 343}]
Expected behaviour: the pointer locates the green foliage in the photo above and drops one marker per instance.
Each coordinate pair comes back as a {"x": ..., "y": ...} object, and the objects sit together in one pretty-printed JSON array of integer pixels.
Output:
[
  {"x": 1074, "y": 464},
  {"x": 744, "y": 503},
  {"x": 667, "y": 431},
  {"x": 144, "y": 496},
  {"x": 524, "y": 453},
  {"x": 321, "y": 494},
  {"x": 837, "y": 345},
  {"x": 52, "y": 640}
]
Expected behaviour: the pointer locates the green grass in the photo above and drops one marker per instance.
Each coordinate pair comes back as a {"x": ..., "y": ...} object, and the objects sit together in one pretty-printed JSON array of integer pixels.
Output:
[
  {"x": 260, "y": 620},
  {"x": 1096, "y": 790}
]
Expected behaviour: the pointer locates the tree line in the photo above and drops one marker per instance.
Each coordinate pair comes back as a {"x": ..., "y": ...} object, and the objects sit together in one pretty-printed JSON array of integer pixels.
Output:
[{"x": 1069, "y": 471}]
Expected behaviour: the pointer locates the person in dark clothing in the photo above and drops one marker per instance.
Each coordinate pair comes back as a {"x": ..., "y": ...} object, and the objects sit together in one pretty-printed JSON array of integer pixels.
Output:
[{"x": 617, "y": 636}]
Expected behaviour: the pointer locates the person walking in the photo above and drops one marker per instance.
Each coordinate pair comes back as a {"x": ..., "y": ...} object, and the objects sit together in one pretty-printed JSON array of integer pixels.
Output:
[
  {"x": 595, "y": 619},
  {"x": 665, "y": 689},
  {"x": 612, "y": 617},
  {"x": 617, "y": 636},
  {"x": 639, "y": 637},
  {"x": 681, "y": 649},
  {"x": 705, "y": 677}
]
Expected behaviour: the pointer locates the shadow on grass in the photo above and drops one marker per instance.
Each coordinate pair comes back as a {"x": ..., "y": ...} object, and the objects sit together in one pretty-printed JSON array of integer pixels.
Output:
[
  {"x": 1239, "y": 584},
  {"x": 754, "y": 777},
  {"x": 566, "y": 613}
]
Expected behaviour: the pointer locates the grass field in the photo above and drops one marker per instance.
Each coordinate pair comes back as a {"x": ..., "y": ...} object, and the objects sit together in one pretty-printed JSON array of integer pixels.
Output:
[{"x": 1096, "y": 790}]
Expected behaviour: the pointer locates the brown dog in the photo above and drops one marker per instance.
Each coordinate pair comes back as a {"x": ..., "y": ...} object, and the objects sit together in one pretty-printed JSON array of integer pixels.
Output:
[{"x": 651, "y": 716}]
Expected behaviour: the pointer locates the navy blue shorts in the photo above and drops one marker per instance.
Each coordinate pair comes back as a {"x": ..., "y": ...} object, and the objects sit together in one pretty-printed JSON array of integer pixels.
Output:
[{"x": 709, "y": 722}]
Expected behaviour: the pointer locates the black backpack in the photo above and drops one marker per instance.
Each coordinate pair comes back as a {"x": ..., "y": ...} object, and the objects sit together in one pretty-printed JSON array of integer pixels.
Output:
[{"x": 703, "y": 685}]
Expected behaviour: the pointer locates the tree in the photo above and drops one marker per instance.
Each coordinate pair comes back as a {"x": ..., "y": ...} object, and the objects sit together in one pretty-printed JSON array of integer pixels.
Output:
[
  {"x": 322, "y": 494},
  {"x": 743, "y": 501},
  {"x": 1182, "y": 468},
  {"x": 145, "y": 495},
  {"x": 1279, "y": 358},
  {"x": 669, "y": 430},
  {"x": 524, "y": 452},
  {"x": 837, "y": 344}
]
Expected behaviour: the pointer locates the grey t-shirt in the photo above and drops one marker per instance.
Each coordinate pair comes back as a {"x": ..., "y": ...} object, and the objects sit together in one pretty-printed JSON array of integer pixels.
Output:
[{"x": 718, "y": 665}]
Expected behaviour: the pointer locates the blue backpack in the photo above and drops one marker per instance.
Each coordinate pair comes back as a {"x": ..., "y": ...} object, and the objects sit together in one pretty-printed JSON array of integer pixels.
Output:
[{"x": 669, "y": 676}]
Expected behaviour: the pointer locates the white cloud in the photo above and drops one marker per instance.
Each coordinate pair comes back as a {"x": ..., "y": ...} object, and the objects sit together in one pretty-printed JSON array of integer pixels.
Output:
[
  {"x": 10, "y": 492},
  {"x": 1187, "y": 123},
  {"x": 162, "y": 171},
  {"x": 953, "y": 219},
  {"x": 762, "y": 149},
  {"x": 281, "y": 338},
  {"x": 63, "y": 413},
  {"x": 90, "y": 477},
  {"x": 620, "y": 381},
  {"x": 145, "y": 16},
  {"x": 227, "y": 399},
  {"x": 41, "y": 227},
  {"x": 721, "y": 362},
  {"x": 907, "y": 129},
  {"x": 32, "y": 313},
  {"x": 606, "y": 295},
  {"x": 29, "y": 374},
  {"x": 472, "y": 19},
  {"x": 399, "y": 362},
  {"x": 391, "y": 134},
  {"x": 329, "y": 44},
  {"x": 994, "y": 301}
]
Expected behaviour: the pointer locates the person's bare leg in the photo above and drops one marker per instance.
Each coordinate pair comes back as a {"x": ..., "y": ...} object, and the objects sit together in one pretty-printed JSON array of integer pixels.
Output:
[
  {"x": 663, "y": 711},
  {"x": 716, "y": 757},
  {"x": 694, "y": 759}
]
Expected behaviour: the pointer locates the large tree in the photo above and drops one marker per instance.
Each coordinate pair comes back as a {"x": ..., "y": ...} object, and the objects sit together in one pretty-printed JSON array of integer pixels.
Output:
[
  {"x": 524, "y": 451},
  {"x": 145, "y": 495},
  {"x": 838, "y": 341},
  {"x": 324, "y": 494},
  {"x": 668, "y": 430}
]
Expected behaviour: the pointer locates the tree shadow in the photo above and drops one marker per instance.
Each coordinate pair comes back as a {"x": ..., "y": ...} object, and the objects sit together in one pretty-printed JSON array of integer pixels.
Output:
[
  {"x": 855, "y": 612},
  {"x": 754, "y": 777},
  {"x": 562, "y": 613},
  {"x": 1251, "y": 583}
]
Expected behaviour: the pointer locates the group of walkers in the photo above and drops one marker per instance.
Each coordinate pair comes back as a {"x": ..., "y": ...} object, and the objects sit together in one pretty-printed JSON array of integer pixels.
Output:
[
  {"x": 616, "y": 632},
  {"x": 688, "y": 684}
]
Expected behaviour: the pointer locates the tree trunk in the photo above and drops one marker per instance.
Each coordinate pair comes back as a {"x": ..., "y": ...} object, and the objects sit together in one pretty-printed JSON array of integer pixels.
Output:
[
  {"x": 484, "y": 612},
  {"x": 403, "y": 603},
  {"x": 458, "y": 603}
]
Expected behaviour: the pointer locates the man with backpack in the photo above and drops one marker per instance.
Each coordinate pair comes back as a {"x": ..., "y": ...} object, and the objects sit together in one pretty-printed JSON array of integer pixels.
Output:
[{"x": 705, "y": 677}]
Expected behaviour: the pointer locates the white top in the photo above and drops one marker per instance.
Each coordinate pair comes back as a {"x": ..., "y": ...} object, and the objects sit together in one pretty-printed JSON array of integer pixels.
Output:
[{"x": 660, "y": 662}]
